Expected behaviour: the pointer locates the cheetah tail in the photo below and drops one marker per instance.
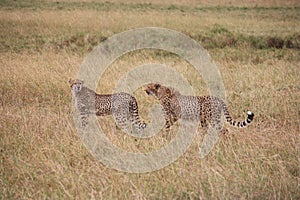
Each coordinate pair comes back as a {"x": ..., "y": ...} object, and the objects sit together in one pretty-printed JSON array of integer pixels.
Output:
[{"x": 250, "y": 116}]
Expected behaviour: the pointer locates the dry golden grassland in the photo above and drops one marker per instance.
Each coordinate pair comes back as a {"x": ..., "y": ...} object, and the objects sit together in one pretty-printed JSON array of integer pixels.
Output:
[{"x": 255, "y": 45}]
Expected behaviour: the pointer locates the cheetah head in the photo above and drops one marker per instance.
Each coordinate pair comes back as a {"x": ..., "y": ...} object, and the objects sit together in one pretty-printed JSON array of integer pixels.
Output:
[
  {"x": 76, "y": 85},
  {"x": 157, "y": 90}
]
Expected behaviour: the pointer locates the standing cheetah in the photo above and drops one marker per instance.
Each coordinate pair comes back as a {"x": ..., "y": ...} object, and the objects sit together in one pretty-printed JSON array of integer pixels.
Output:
[
  {"x": 206, "y": 109},
  {"x": 122, "y": 105}
]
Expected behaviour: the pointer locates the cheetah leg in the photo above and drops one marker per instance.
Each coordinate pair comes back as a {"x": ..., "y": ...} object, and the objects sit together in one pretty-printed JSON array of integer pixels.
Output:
[
  {"x": 84, "y": 116},
  {"x": 121, "y": 120},
  {"x": 169, "y": 120},
  {"x": 204, "y": 123},
  {"x": 215, "y": 122},
  {"x": 135, "y": 118},
  {"x": 217, "y": 126},
  {"x": 168, "y": 125},
  {"x": 224, "y": 131}
]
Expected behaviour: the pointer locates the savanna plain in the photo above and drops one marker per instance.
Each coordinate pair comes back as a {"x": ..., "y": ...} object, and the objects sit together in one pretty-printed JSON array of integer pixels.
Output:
[{"x": 255, "y": 45}]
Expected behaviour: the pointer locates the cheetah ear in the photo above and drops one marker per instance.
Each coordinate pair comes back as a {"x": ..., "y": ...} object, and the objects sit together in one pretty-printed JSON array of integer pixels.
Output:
[
  {"x": 71, "y": 81},
  {"x": 156, "y": 85}
]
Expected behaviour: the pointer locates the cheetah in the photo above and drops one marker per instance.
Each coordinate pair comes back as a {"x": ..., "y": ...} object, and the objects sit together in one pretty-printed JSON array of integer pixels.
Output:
[
  {"x": 206, "y": 109},
  {"x": 123, "y": 105}
]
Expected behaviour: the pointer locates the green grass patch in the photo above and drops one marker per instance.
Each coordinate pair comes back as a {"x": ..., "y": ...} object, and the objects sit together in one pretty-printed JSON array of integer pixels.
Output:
[
  {"x": 216, "y": 37},
  {"x": 110, "y": 6}
]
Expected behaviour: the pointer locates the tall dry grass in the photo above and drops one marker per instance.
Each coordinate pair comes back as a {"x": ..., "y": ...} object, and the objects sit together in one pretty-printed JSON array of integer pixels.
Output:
[{"x": 43, "y": 157}]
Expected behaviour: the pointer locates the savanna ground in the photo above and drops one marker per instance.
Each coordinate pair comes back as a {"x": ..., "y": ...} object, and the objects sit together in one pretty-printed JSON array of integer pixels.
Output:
[{"x": 256, "y": 46}]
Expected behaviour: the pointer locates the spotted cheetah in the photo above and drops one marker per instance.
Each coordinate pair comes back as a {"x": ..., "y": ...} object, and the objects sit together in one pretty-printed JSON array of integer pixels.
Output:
[
  {"x": 206, "y": 109},
  {"x": 122, "y": 105}
]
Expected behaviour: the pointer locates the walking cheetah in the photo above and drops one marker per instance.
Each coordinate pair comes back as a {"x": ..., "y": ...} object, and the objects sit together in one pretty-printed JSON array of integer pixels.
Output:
[
  {"x": 122, "y": 105},
  {"x": 206, "y": 109}
]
